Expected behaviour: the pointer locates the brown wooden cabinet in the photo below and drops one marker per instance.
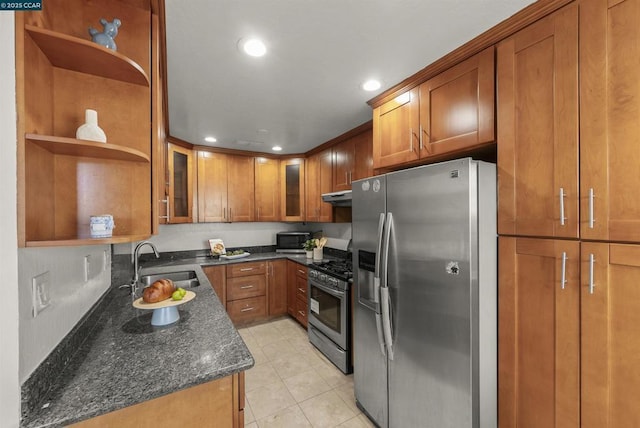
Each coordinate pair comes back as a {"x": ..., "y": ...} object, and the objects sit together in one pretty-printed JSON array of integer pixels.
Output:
[
  {"x": 217, "y": 276},
  {"x": 396, "y": 126},
  {"x": 292, "y": 184},
  {"x": 277, "y": 286},
  {"x": 180, "y": 198},
  {"x": 537, "y": 71},
  {"x": 352, "y": 160},
  {"x": 451, "y": 112},
  {"x": 246, "y": 291},
  {"x": 218, "y": 403},
  {"x": 297, "y": 292},
  {"x": 225, "y": 187},
  {"x": 457, "y": 107},
  {"x": 319, "y": 180},
  {"x": 267, "y": 189},
  {"x": 609, "y": 126},
  {"x": 62, "y": 180},
  {"x": 539, "y": 333},
  {"x": 610, "y": 337}
]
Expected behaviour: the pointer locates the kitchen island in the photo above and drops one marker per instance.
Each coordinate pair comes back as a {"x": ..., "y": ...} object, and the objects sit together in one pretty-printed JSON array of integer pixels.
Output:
[{"x": 127, "y": 362}]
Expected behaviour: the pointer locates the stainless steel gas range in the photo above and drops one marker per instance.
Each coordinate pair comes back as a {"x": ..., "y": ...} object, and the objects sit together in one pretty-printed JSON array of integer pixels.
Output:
[{"x": 330, "y": 311}]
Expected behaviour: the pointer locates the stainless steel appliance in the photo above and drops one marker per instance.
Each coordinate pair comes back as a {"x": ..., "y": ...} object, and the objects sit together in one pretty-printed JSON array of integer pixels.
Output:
[
  {"x": 291, "y": 242},
  {"x": 329, "y": 321},
  {"x": 424, "y": 253}
]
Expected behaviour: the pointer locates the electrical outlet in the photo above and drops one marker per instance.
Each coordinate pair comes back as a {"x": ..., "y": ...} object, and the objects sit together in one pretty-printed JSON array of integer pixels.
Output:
[
  {"x": 87, "y": 267},
  {"x": 40, "y": 296}
]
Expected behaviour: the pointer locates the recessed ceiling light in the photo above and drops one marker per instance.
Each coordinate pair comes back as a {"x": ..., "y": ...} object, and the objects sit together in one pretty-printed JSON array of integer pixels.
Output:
[
  {"x": 371, "y": 85},
  {"x": 276, "y": 148},
  {"x": 210, "y": 139},
  {"x": 253, "y": 47}
]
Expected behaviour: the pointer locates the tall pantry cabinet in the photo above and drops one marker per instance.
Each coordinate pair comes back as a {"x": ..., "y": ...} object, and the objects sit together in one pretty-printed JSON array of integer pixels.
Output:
[
  {"x": 569, "y": 224},
  {"x": 60, "y": 72}
]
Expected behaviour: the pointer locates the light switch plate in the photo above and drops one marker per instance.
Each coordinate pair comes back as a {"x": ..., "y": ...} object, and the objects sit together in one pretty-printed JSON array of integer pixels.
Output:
[{"x": 40, "y": 292}]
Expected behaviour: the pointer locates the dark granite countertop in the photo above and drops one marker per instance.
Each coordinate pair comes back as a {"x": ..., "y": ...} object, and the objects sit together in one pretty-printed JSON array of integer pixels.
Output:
[
  {"x": 127, "y": 361},
  {"x": 205, "y": 260}
]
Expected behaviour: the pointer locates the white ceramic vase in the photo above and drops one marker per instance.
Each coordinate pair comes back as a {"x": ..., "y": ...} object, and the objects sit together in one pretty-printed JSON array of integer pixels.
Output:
[
  {"x": 90, "y": 130},
  {"x": 317, "y": 254}
]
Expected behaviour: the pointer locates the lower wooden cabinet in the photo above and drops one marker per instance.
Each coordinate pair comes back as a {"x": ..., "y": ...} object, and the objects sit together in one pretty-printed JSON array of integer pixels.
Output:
[
  {"x": 569, "y": 335},
  {"x": 246, "y": 291},
  {"x": 297, "y": 292},
  {"x": 539, "y": 333},
  {"x": 277, "y": 286},
  {"x": 215, "y": 404},
  {"x": 610, "y": 335},
  {"x": 217, "y": 276}
]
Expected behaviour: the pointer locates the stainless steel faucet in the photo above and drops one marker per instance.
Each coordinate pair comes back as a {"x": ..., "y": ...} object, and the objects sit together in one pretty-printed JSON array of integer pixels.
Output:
[{"x": 136, "y": 265}]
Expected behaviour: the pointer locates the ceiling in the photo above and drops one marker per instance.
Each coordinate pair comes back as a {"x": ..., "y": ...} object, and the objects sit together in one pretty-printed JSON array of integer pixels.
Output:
[{"x": 306, "y": 89}]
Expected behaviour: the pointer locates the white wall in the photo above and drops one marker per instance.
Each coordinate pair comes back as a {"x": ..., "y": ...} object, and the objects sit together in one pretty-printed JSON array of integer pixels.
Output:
[
  {"x": 9, "y": 380},
  {"x": 195, "y": 236},
  {"x": 70, "y": 297}
]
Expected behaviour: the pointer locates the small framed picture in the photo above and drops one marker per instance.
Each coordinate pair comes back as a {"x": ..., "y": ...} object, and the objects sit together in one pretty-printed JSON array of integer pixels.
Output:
[{"x": 217, "y": 247}]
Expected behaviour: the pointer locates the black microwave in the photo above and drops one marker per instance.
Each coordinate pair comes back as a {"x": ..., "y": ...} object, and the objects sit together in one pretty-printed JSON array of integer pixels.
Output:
[{"x": 291, "y": 242}]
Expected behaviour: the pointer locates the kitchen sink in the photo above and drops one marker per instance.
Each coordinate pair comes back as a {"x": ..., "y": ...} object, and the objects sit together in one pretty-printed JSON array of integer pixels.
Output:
[{"x": 183, "y": 279}]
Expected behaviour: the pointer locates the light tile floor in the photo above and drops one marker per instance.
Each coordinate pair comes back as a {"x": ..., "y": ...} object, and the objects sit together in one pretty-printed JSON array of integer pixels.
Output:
[{"x": 293, "y": 384}]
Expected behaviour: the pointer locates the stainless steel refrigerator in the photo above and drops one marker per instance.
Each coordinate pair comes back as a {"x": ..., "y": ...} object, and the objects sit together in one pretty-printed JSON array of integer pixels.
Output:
[{"x": 425, "y": 316}]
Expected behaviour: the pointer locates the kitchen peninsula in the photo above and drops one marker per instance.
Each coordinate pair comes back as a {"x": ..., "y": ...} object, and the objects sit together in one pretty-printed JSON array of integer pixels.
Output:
[{"x": 126, "y": 367}]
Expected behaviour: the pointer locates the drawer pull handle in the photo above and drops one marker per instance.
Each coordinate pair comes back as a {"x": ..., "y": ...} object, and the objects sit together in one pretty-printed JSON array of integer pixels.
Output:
[
  {"x": 246, "y": 309},
  {"x": 245, "y": 269},
  {"x": 302, "y": 290},
  {"x": 302, "y": 313},
  {"x": 301, "y": 271},
  {"x": 244, "y": 287}
]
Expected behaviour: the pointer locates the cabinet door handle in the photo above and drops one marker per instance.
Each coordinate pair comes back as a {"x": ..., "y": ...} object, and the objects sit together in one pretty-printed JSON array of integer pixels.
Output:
[
  {"x": 224, "y": 214},
  {"x": 591, "y": 219},
  {"x": 350, "y": 177},
  {"x": 592, "y": 285},
  {"x": 166, "y": 201},
  {"x": 230, "y": 216},
  {"x": 421, "y": 145},
  {"x": 562, "y": 195},
  {"x": 246, "y": 309},
  {"x": 302, "y": 290},
  {"x": 346, "y": 177},
  {"x": 302, "y": 314},
  {"x": 245, "y": 269},
  {"x": 301, "y": 271},
  {"x": 246, "y": 287},
  {"x": 563, "y": 279}
]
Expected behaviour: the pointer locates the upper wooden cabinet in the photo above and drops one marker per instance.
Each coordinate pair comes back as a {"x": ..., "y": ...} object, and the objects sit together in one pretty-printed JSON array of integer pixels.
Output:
[
  {"x": 225, "y": 187},
  {"x": 352, "y": 160},
  {"x": 610, "y": 120},
  {"x": 63, "y": 181},
  {"x": 539, "y": 333},
  {"x": 267, "y": 189},
  {"x": 319, "y": 180},
  {"x": 456, "y": 107},
  {"x": 537, "y": 71},
  {"x": 396, "y": 126},
  {"x": 292, "y": 186},
  {"x": 180, "y": 198},
  {"x": 450, "y": 112}
]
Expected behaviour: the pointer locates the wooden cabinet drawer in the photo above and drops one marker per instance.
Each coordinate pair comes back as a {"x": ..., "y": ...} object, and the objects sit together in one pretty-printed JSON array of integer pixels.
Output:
[
  {"x": 246, "y": 286},
  {"x": 301, "y": 272},
  {"x": 246, "y": 269},
  {"x": 247, "y": 309},
  {"x": 301, "y": 310}
]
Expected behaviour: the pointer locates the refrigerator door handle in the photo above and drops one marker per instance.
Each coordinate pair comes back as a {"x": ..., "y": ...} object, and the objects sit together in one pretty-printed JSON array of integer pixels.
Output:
[
  {"x": 386, "y": 319},
  {"x": 376, "y": 274},
  {"x": 385, "y": 251},
  {"x": 379, "y": 330}
]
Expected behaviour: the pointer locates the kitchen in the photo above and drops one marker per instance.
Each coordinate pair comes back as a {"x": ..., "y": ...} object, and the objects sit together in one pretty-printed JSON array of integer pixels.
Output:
[{"x": 42, "y": 258}]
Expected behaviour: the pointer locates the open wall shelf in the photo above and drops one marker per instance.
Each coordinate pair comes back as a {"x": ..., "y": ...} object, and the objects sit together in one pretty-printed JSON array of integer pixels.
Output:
[
  {"x": 85, "y": 148},
  {"x": 84, "y": 56}
]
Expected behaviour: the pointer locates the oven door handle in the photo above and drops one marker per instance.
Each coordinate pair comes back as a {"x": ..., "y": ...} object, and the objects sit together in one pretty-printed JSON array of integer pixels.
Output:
[{"x": 334, "y": 293}]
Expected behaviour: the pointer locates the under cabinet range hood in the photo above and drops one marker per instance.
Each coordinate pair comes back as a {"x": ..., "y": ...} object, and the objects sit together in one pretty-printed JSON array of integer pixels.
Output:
[{"x": 338, "y": 199}]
